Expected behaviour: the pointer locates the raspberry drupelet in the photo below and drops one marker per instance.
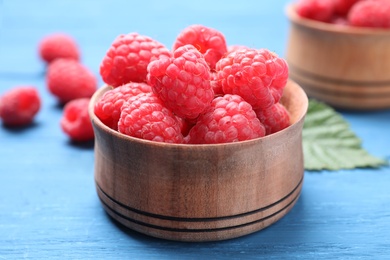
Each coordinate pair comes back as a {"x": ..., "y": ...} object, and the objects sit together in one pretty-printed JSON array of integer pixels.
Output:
[
  {"x": 274, "y": 119},
  {"x": 258, "y": 76},
  {"x": 144, "y": 116},
  {"x": 108, "y": 107},
  {"x": 182, "y": 82},
  {"x": 128, "y": 57},
  {"x": 208, "y": 41},
  {"x": 229, "y": 119}
]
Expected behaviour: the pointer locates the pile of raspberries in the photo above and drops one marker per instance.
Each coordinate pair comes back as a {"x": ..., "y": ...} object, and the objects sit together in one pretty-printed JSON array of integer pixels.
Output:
[
  {"x": 357, "y": 13},
  {"x": 199, "y": 92}
]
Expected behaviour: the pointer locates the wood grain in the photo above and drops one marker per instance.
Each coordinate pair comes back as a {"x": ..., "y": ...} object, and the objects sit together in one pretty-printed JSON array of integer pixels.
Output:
[
  {"x": 201, "y": 192},
  {"x": 344, "y": 66}
]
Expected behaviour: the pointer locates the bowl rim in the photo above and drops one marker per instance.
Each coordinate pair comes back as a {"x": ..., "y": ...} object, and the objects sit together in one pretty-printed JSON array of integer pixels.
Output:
[
  {"x": 96, "y": 121},
  {"x": 293, "y": 16}
]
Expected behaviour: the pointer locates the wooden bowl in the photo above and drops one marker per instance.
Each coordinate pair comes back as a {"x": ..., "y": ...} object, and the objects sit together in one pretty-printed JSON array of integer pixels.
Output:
[
  {"x": 346, "y": 67},
  {"x": 200, "y": 192}
]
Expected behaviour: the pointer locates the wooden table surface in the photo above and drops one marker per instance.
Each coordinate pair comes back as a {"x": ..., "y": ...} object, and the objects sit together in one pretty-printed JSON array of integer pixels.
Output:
[{"x": 48, "y": 203}]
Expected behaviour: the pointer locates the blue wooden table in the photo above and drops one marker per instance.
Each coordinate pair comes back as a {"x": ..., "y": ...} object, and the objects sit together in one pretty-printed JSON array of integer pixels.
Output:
[{"x": 48, "y": 203}]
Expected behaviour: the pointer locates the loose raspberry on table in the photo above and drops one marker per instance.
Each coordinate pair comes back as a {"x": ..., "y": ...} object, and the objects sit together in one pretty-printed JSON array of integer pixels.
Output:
[
  {"x": 319, "y": 10},
  {"x": 75, "y": 121},
  {"x": 229, "y": 119},
  {"x": 128, "y": 57},
  {"x": 182, "y": 82},
  {"x": 208, "y": 41},
  {"x": 145, "y": 116},
  {"x": 370, "y": 13},
  {"x": 19, "y": 106},
  {"x": 258, "y": 76},
  {"x": 108, "y": 107},
  {"x": 274, "y": 119},
  {"x": 68, "y": 79},
  {"x": 58, "y": 45}
]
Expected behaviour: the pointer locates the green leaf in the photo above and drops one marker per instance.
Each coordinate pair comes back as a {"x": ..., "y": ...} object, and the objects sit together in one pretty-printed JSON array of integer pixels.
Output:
[{"x": 330, "y": 144}]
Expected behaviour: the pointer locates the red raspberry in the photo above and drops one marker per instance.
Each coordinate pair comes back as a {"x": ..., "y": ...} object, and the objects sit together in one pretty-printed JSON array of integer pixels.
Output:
[
  {"x": 108, "y": 108},
  {"x": 210, "y": 42},
  {"x": 185, "y": 125},
  {"x": 342, "y": 7},
  {"x": 19, "y": 106},
  {"x": 374, "y": 13},
  {"x": 68, "y": 79},
  {"x": 182, "y": 82},
  {"x": 228, "y": 119},
  {"x": 233, "y": 48},
  {"x": 274, "y": 119},
  {"x": 75, "y": 121},
  {"x": 58, "y": 45},
  {"x": 215, "y": 84},
  {"x": 259, "y": 76},
  {"x": 128, "y": 58},
  {"x": 145, "y": 116},
  {"x": 319, "y": 10}
]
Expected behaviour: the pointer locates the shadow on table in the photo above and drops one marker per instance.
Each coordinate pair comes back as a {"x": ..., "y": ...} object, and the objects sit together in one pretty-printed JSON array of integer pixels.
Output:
[
  {"x": 278, "y": 235},
  {"x": 59, "y": 106},
  {"x": 20, "y": 129}
]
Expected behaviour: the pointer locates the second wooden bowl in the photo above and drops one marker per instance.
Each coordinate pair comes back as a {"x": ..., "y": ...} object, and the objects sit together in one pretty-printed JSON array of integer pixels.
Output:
[
  {"x": 346, "y": 67},
  {"x": 200, "y": 192}
]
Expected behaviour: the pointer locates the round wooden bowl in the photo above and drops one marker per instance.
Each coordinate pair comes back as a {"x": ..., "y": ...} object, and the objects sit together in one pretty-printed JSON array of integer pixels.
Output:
[
  {"x": 346, "y": 67},
  {"x": 200, "y": 192}
]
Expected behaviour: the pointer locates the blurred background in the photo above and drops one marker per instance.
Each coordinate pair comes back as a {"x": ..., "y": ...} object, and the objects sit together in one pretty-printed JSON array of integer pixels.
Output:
[{"x": 95, "y": 24}]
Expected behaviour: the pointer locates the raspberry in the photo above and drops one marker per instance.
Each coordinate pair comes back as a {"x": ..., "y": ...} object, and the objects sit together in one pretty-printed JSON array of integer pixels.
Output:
[
  {"x": 19, "y": 106},
  {"x": 58, "y": 45},
  {"x": 229, "y": 119},
  {"x": 319, "y": 10},
  {"x": 215, "y": 84},
  {"x": 185, "y": 125},
  {"x": 182, "y": 82},
  {"x": 258, "y": 76},
  {"x": 108, "y": 108},
  {"x": 274, "y": 119},
  {"x": 233, "y": 48},
  {"x": 370, "y": 14},
  {"x": 128, "y": 58},
  {"x": 210, "y": 42},
  {"x": 68, "y": 79},
  {"x": 342, "y": 7},
  {"x": 145, "y": 116},
  {"x": 75, "y": 121}
]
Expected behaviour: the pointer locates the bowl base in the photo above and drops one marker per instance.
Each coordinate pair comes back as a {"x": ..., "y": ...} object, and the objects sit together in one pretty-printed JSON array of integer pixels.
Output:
[{"x": 198, "y": 229}]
